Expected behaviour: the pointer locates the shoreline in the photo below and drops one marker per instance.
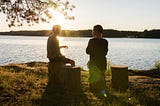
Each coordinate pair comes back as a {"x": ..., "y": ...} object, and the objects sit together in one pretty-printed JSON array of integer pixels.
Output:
[
  {"x": 143, "y": 72},
  {"x": 110, "y": 33}
]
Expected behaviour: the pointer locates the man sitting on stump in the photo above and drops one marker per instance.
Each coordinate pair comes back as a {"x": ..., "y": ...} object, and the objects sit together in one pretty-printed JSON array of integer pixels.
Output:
[{"x": 56, "y": 60}]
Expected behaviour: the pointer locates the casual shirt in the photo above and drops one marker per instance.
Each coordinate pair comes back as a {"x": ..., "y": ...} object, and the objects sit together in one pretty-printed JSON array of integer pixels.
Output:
[
  {"x": 97, "y": 49},
  {"x": 53, "y": 49}
]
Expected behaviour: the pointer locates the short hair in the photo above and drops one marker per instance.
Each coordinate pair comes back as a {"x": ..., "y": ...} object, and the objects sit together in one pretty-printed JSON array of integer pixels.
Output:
[
  {"x": 56, "y": 29},
  {"x": 98, "y": 28}
]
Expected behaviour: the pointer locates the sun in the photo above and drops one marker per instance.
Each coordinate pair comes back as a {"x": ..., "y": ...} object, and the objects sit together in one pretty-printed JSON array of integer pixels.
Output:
[{"x": 58, "y": 18}]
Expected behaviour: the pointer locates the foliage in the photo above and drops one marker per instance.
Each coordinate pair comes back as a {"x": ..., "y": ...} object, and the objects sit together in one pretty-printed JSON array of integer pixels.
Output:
[
  {"x": 151, "y": 34},
  {"x": 157, "y": 65},
  {"x": 33, "y": 11}
]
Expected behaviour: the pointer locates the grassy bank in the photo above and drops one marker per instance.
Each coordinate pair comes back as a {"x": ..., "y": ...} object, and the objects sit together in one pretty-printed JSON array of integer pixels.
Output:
[{"x": 26, "y": 83}]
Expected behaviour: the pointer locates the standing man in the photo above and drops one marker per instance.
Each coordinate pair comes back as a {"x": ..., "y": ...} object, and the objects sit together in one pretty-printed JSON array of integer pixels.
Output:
[
  {"x": 97, "y": 50},
  {"x": 56, "y": 60}
]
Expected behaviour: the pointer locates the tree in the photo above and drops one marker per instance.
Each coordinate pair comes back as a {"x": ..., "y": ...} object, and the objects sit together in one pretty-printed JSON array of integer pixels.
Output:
[{"x": 19, "y": 12}]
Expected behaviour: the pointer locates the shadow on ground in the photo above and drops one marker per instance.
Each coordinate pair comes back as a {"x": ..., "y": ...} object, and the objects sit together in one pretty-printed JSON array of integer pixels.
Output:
[{"x": 61, "y": 97}]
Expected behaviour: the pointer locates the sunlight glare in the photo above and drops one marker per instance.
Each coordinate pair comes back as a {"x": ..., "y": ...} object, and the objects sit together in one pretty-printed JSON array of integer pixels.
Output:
[
  {"x": 60, "y": 39},
  {"x": 58, "y": 18}
]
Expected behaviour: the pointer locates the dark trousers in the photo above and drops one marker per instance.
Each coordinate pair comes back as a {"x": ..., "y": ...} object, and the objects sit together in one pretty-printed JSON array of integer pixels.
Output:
[{"x": 96, "y": 79}]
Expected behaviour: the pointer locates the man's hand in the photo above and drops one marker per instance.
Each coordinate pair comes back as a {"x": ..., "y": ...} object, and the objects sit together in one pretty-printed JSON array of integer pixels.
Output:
[
  {"x": 72, "y": 63},
  {"x": 64, "y": 47}
]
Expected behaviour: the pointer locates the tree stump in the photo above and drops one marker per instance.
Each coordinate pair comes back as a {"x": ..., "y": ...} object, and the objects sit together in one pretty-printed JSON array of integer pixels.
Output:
[
  {"x": 119, "y": 77},
  {"x": 56, "y": 74},
  {"x": 72, "y": 78}
]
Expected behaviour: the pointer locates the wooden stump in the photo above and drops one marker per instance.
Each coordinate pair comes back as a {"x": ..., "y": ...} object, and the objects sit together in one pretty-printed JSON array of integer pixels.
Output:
[
  {"x": 72, "y": 79},
  {"x": 60, "y": 75},
  {"x": 119, "y": 77},
  {"x": 56, "y": 74}
]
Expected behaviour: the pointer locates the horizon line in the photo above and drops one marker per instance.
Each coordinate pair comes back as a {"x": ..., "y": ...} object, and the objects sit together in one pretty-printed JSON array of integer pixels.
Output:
[{"x": 81, "y": 30}]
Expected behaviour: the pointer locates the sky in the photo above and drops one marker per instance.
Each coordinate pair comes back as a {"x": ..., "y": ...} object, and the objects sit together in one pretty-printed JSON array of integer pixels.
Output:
[{"x": 130, "y": 15}]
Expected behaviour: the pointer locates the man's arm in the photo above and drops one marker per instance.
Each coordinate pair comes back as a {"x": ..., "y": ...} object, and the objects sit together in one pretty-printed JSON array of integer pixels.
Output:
[
  {"x": 106, "y": 49},
  {"x": 88, "y": 49},
  {"x": 63, "y": 47}
]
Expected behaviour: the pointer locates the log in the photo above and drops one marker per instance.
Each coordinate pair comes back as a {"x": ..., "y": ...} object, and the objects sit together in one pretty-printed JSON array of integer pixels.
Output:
[
  {"x": 72, "y": 78},
  {"x": 119, "y": 77}
]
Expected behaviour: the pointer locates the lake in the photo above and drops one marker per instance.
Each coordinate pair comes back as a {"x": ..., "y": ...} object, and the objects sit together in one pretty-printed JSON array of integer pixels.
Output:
[{"x": 136, "y": 53}]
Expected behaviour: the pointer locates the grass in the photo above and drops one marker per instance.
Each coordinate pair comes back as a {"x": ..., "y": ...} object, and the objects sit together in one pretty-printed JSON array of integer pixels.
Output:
[
  {"x": 26, "y": 84},
  {"x": 157, "y": 66},
  {"x": 21, "y": 83},
  {"x": 154, "y": 71}
]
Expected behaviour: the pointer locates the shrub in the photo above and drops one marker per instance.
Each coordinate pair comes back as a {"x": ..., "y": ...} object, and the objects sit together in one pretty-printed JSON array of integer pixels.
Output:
[{"x": 157, "y": 65}]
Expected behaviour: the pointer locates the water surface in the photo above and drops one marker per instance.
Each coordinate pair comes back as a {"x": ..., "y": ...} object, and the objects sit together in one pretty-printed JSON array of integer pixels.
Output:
[{"x": 135, "y": 53}]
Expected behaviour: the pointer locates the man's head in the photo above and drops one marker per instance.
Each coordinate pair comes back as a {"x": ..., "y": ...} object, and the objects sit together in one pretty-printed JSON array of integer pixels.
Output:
[
  {"x": 97, "y": 31},
  {"x": 56, "y": 29}
]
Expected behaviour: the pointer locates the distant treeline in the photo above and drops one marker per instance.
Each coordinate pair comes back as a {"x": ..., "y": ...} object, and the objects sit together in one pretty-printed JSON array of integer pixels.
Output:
[{"x": 88, "y": 33}]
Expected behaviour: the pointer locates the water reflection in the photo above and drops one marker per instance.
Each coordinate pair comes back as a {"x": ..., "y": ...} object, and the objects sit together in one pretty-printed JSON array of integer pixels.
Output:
[{"x": 135, "y": 53}]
